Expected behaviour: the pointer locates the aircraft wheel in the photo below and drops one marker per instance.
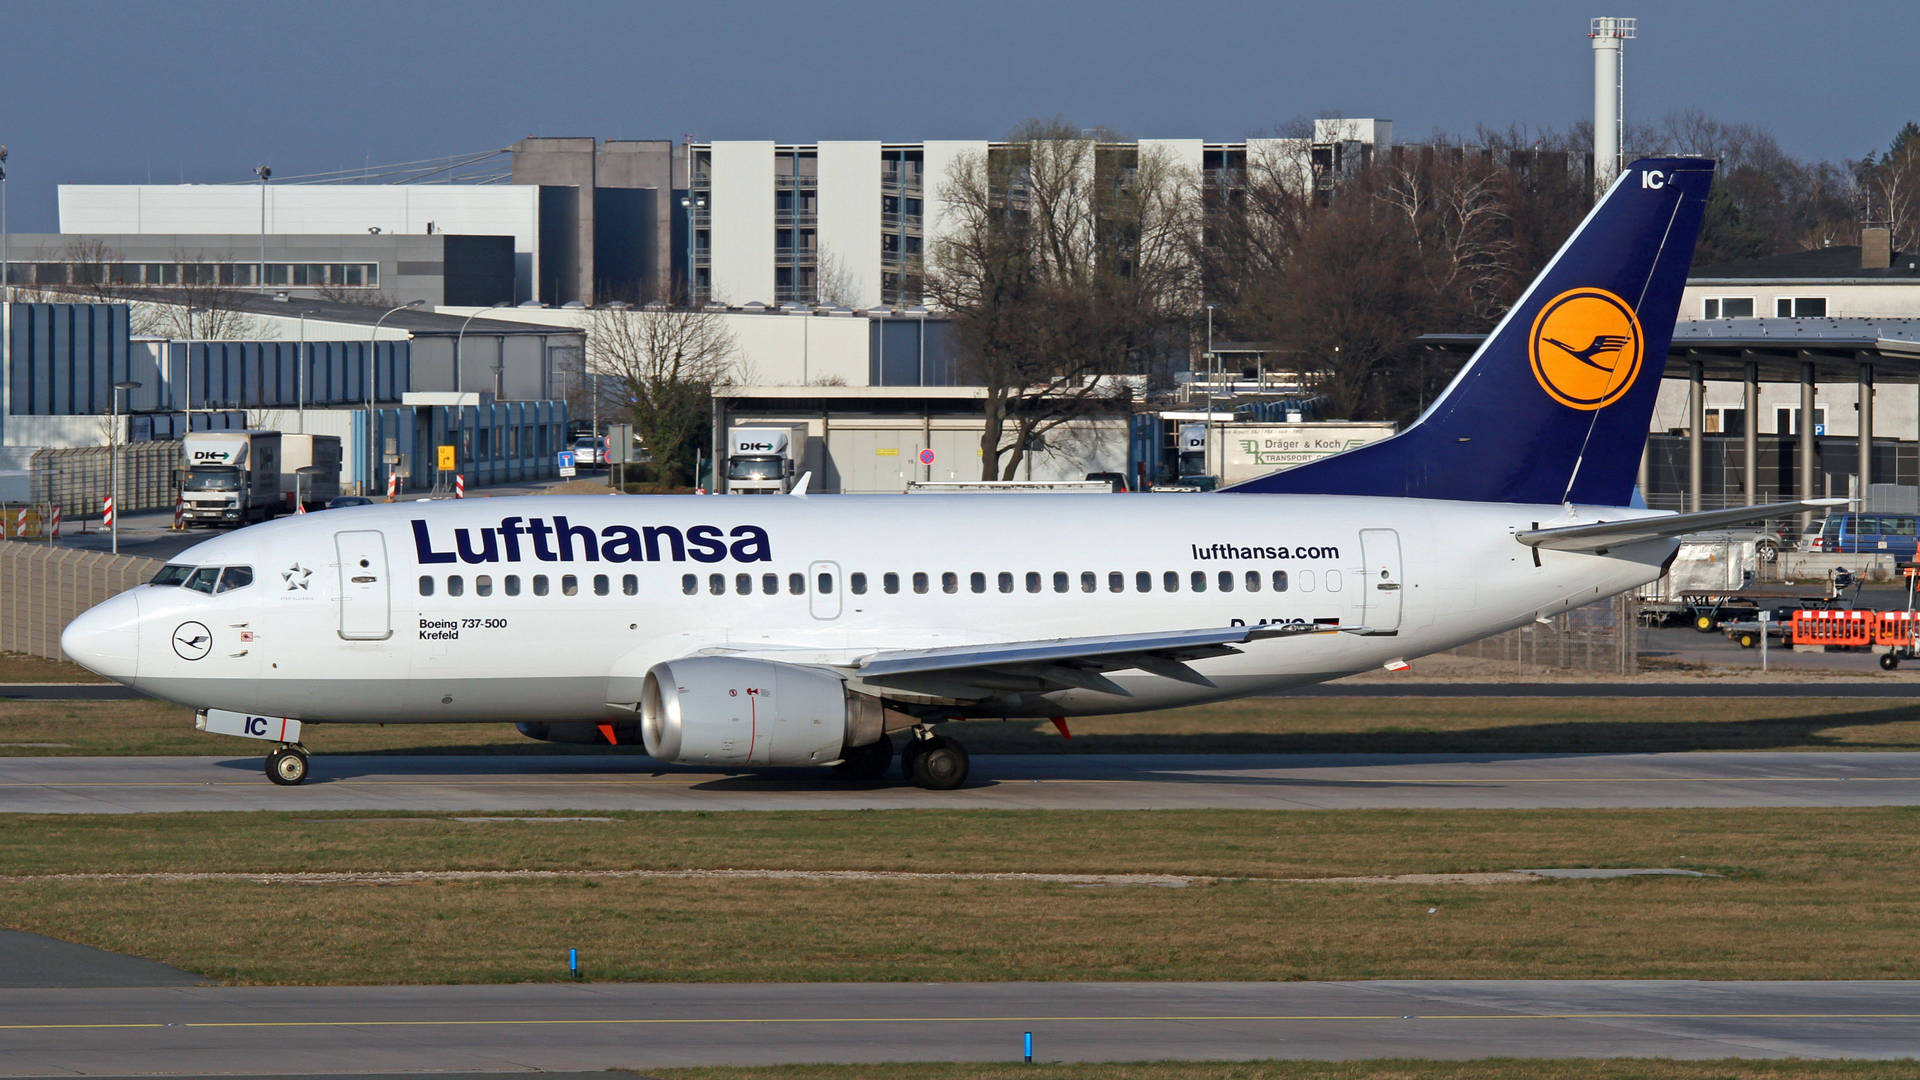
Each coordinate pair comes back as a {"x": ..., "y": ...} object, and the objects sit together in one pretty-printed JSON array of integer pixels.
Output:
[
  {"x": 1888, "y": 661},
  {"x": 287, "y": 765},
  {"x": 867, "y": 762},
  {"x": 941, "y": 765}
]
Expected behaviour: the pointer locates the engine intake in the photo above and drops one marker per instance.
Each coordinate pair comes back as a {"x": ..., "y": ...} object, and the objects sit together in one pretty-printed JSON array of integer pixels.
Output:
[{"x": 718, "y": 710}]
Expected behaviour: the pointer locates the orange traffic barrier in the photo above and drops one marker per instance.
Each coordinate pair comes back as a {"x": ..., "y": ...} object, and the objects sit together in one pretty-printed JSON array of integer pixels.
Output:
[
  {"x": 1843, "y": 628},
  {"x": 1896, "y": 628}
]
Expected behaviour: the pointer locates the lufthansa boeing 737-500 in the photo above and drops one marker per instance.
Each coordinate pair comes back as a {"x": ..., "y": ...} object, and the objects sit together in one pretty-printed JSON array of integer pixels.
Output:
[{"x": 814, "y": 630}]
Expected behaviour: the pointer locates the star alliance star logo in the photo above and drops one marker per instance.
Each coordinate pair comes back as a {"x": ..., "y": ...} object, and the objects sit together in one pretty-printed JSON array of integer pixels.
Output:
[{"x": 296, "y": 578}]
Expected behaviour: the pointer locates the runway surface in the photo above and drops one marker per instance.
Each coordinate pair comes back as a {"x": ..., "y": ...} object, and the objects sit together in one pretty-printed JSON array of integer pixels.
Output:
[
  {"x": 1011, "y": 782},
  {"x": 1885, "y": 686},
  {"x": 291, "y": 1030}
]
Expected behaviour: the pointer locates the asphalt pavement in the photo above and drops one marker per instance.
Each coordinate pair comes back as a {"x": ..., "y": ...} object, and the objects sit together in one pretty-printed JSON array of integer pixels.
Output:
[
  {"x": 106, "y": 785},
  {"x": 346, "y": 1030}
]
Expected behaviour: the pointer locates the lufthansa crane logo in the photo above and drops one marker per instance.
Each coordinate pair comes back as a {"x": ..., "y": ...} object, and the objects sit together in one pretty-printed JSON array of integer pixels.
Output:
[
  {"x": 1586, "y": 348},
  {"x": 192, "y": 641}
]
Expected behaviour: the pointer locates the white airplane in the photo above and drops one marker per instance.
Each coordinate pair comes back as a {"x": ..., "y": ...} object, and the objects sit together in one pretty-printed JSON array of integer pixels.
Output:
[{"x": 808, "y": 631}]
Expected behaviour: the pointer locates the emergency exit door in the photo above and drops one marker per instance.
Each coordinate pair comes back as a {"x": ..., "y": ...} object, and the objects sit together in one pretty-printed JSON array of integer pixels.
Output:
[
  {"x": 823, "y": 589},
  {"x": 365, "y": 595},
  {"x": 1380, "y": 599}
]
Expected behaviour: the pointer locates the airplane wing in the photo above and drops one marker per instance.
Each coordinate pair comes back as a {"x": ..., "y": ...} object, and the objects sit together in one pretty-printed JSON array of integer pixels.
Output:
[
  {"x": 975, "y": 671},
  {"x": 1602, "y": 535}
]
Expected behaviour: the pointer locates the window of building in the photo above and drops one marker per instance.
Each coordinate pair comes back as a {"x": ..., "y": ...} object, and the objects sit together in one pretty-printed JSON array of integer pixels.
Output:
[
  {"x": 456, "y": 585},
  {"x": 539, "y": 584},
  {"x": 1199, "y": 581},
  {"x": 689, "y": 583},
  {"x": 857, "y": 584},
  {"x": 1801, "y": 307},
  {"x": 569, "y": 585},
  {"x": 426, "y": 584},
  {"x": 1727, "y": 307},
  {"x": 890, "y": 582},
  {"x": 1786, "y": 421},
  {"x": 978, "y": 581},
  {"x": 920, "y": 582},
  {"x": 483, "y": 585}
]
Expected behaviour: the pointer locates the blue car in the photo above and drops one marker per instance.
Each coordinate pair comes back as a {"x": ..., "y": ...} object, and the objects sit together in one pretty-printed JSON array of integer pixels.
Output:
[{"x": 1853, "y": 534}]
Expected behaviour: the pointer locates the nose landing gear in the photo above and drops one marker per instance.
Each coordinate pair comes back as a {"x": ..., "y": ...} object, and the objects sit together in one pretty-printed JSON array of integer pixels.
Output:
[{"x": 287, "y": 764}]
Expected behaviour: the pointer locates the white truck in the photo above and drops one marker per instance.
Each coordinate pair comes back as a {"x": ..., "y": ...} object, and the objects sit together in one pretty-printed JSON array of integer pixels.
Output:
[
  {"x": 1010, "y": 487},
  {"x": 309, "y": 470},
  {"x": 764, "y": 460},
  {"x": 229, "y": 477}
]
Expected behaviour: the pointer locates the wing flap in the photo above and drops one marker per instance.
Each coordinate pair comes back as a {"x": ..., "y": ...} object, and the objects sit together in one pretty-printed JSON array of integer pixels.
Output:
[{"x": 1603, "y": 535}]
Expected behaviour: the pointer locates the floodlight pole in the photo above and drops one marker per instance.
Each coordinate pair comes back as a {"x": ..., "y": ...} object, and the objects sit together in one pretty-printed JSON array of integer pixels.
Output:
[{"x": 373, "y": 340}]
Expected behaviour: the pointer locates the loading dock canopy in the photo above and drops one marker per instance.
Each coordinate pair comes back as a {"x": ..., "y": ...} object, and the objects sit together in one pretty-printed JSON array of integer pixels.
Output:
[{"x": 1777, "y": 347}]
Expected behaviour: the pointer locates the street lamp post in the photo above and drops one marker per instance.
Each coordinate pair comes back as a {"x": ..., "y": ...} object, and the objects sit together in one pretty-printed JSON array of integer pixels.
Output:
[
  {"x": 6, "y": 301},
  {"x": 113, "y": 453},
  {"x": 691, "y": 204},
  {"x": 460, "y": 373},
  {"x": 300, "y": 378},
  {"x": 373, "y": 344},
  {"x": 1207, "y": 456},
  {"x": 264, "y": 174}
]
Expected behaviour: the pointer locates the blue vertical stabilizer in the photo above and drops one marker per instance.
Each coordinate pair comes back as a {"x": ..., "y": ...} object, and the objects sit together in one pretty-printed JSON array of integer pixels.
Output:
[{"x": 1554, "y": 407}]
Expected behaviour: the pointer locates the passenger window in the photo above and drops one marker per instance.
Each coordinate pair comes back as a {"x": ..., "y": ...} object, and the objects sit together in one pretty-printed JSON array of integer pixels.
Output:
[
  {"x": 512, "y": 583},
  {"x": 1279, "y": 581},
  {"x": 717, "y": 584},
  {"x": 1006, "y": 582},
  {"x": 920, "y": 582},
  {"x": 978, "y": 580},
  {"x": 203, "y": 579},
  {"x": 1199, "y": 581},
  {"x": 825, "y": 582},
  {"x": 949, "y": 582},
  {"x": 1334, "y": 580},
  {"x": 743, "y": 584},
  {"x": 482, "y": 585},
  {"x": 602, "y": 584},
  {"x": 426, "y": 584},
  {"x": 1253, "y": 581},
  {"x": 1089, "y": 582},
  {"x": 797, "y": 584},
  {"x": 857, "y": 584},
  {"x": 629, "y": 584},
  {"x": 1143, "y": 581},
  {"x": 1116, "y": 581},
  {"x": 539, "y": 584},
  {"x": 456, "y": 585},
  {"x": 689, "y": 583},
  {"x": 1033, "y": 581},
  {"x": 769, "y": 584},
  {"x": 1060, "y": 581},
  {"x": 1226, "y": 581},
  {"x": 890, "y": 582},
  {"x": 1306, "y": 581},
  {"x": 569, "y": 585},
  {"x": 235, "y": 577},
  {"x": 1170, "y": 581}
]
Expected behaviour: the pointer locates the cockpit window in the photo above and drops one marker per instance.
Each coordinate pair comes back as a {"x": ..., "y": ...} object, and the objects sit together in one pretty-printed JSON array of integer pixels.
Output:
[
  {"x": 202, "y": 579},
  {"x": 171, "y": 574},
  {"x": 235, "y": 577}
]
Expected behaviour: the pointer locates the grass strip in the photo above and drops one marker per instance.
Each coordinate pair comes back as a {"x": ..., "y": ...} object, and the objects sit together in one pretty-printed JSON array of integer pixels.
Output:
[
  {"x": 1800, "y": 894},
  {"x": 1258, "y": 725},
  {"x": 21, "y": 668}
]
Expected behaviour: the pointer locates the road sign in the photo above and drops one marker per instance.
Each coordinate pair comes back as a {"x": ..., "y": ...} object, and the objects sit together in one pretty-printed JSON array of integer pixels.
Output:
[
  {"x": 566, "y": 463},
  {"x": 926, "y": 457},
  {"x": 446, "y": 459}
]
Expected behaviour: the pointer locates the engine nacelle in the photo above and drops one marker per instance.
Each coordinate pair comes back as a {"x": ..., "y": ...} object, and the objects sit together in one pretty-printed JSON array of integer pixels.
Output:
[{"x": 717, "y": 710}]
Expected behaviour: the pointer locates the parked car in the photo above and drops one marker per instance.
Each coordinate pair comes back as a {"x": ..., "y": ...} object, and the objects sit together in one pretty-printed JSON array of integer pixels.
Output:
[
  {"x": 1853, "y": 534},
  {"x": 590, "y": 452},
  {"x": 1118, "y": 480},
  {"x": 341, "y": 501},
  {"x": 1201, "y": 482}
]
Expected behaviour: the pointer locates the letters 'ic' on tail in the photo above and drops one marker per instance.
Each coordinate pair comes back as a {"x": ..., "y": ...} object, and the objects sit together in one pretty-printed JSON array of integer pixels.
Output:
[{"x": 1554, "y": 406}]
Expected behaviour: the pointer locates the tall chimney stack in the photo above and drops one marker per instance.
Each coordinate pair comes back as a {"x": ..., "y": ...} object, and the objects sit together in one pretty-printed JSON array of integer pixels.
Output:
[{"x": 1609, "y": 37}]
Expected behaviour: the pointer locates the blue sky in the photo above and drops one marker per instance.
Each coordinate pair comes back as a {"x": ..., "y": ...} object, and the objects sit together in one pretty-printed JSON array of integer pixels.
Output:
[{"x": 122, "y": 92}]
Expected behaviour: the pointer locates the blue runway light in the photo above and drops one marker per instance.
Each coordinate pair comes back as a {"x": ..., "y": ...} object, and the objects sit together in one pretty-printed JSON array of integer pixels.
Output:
[
  {"x": 573, "y": 962},
  {"x": 1029, "y": 1048}
]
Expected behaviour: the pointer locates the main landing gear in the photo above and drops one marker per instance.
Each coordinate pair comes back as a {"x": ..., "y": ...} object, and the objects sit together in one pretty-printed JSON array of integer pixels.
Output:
[
  {"x": 287, "y": 764},
  {"x": 934, "y": 762}
]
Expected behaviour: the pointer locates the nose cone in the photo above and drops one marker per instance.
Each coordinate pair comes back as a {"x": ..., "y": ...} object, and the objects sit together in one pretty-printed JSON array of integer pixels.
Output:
[{"x": 106, "y": 638}]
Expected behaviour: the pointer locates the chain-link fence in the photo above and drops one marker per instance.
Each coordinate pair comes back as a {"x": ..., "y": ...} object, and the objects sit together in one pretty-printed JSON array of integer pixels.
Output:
[
  {"x": 1600, "y": 639},
  {"x": 44, "y": 587},
  {"x": 78, "y": 478}
]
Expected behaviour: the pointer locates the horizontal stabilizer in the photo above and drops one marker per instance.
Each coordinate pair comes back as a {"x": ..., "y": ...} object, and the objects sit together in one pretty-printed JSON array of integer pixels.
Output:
[{"x": 1601, "y": 535}]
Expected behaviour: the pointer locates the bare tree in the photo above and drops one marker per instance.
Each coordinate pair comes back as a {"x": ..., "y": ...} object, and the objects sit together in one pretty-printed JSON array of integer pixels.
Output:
[
  {"x": 1891, "y": 187},
  {"x": 659, "y": 365},
  {"x": 833, "y": 280},
  {"x": 1066, "y": 262}
]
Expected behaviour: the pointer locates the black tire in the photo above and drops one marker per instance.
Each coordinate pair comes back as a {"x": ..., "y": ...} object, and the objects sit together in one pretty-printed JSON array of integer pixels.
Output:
[
  {"x": 941, "y": 764},
  {"x": 1889, "y": 661},
  {"x": 287, "y": 766},
  {"x": 866, "y": 762},
  {"x": 1747, "y": 641},
  {"x": 1703, "y": 623}
]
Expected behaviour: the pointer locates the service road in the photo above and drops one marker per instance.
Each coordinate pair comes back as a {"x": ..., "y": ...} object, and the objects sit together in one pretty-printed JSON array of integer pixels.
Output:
[{"x": 1009, "y": 782}]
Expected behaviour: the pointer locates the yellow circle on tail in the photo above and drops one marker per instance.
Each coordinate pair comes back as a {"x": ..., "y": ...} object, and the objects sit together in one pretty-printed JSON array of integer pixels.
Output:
[{"x": 1586, "y": 348}]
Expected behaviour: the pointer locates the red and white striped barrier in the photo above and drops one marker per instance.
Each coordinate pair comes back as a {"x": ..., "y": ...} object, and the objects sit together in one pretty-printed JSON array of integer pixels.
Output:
[
  {"x": 459, "y": 485},
  {"x": 20, "y": 525},
  {"x": 393, "y": 485},
  {"x": 299, "y": 508},
  {"x": 107, "y": 505},
  {"x": 56, "y": 521},
  {"x": 179, "y": 513}
]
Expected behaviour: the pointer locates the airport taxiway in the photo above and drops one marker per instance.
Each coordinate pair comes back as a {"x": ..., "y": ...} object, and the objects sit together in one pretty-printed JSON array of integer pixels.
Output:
[
  {"x": 1003, "y": 782},
  {"x": 292, "y": 1030}
]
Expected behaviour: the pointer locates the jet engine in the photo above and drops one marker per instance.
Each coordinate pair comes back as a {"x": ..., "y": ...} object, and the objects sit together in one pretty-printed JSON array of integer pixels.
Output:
[{"x": 717, "y": 710}]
